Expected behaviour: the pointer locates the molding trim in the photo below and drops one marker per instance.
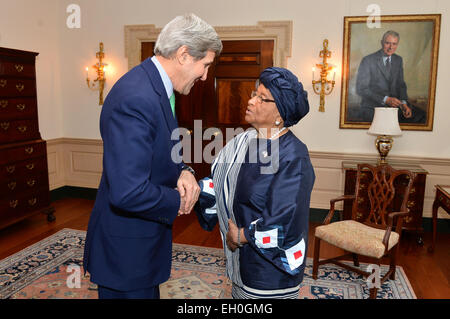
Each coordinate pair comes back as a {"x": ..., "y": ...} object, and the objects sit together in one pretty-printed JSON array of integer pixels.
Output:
[
  {"x": 78, "y": 162},
  {"x": 279, "y": 31}
]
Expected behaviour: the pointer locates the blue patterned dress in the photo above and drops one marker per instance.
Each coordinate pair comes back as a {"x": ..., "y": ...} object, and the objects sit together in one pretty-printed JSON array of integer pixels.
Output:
[{"x": 270, "y": 200}]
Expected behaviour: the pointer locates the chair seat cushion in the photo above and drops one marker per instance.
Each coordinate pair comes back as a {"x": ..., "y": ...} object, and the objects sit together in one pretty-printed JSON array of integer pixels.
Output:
[{"x": 356, "y": 237}]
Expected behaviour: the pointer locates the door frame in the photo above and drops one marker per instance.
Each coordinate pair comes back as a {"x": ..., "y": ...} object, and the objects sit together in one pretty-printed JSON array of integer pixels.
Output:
[{"x": 278, "y": 31}]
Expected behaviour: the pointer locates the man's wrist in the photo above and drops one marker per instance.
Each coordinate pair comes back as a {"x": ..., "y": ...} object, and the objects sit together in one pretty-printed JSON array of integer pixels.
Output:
[{"x": 188, "y": 168}]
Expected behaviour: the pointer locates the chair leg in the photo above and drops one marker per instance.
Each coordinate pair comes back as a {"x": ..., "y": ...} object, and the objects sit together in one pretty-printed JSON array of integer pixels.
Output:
[
  {"x": 373, "y": 293},
  {"x": 393, "y": 263},
  {"x": 355, "y": 260},
  {"x": 316, "y": 258}
]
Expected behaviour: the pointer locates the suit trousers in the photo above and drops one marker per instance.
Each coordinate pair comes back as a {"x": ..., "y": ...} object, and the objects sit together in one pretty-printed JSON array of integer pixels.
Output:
[{"x": 146, "y": 293}]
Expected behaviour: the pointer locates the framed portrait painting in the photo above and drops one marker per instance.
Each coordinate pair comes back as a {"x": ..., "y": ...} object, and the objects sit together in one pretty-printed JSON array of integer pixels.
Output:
[{"x": 390, "y": 64}]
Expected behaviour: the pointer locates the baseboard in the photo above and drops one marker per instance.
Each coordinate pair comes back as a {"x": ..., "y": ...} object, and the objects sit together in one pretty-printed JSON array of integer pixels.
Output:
[
  {"x": 73, "y": 192},
  {"x": 315, "y": 214}
]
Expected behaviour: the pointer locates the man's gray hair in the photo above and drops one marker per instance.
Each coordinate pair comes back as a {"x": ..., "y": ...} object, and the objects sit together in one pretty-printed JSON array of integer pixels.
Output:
[
  {"x": 392, "y": 33},
  {"x": 191, "y": 31}
]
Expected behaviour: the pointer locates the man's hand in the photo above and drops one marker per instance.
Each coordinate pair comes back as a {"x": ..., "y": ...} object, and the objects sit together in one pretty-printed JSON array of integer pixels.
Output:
[
  {"x": 189, "y": 191},
  {"x": 393, "y": 102},
  {"x": 406, "y": 111}
]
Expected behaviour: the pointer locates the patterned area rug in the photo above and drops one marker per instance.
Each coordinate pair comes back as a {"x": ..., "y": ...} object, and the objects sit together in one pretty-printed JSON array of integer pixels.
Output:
[{"x": 52, "y": 268}]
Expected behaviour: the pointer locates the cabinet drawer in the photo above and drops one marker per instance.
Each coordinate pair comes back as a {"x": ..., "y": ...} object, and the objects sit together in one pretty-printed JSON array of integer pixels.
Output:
[
  {"x": 11, "y": 187},
  {"x": 15, "y": 207},
  {"x": 18, "y": 108},
  {"x": 10, "y": 87},
  {"x": 21, "y": 130},
  {"x": 17, "y": 68},
  {"x": 22, "y": 152},
  {"x": 18, "y": 169}
]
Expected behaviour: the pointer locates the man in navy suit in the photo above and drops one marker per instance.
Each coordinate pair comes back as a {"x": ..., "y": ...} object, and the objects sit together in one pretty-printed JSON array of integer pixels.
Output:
[
  {"x": 128, "y": 246},
  {"x": 380, "y": 83}
]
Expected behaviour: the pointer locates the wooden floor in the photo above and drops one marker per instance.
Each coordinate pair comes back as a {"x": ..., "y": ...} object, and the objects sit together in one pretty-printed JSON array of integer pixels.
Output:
[{"x": 429, "y": 274}]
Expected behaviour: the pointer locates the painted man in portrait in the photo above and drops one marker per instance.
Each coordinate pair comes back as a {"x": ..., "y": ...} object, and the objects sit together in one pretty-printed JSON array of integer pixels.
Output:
[{"x": 380, "y": 83}]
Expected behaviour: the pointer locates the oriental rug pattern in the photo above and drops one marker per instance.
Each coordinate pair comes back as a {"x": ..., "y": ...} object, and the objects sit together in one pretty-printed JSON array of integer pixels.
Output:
[{"x": 52, "y": 269}]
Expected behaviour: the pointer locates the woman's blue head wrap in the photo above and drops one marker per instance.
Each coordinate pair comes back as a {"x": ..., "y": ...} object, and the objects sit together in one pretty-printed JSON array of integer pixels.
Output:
[{"x": 290, "y": 98}]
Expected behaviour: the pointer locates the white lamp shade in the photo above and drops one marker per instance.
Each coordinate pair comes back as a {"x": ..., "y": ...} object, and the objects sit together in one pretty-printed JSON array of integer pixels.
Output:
[{"x": 385, "y": 122}]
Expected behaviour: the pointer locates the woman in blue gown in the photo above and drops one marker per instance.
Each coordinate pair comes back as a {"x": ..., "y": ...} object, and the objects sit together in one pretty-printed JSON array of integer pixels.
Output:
[{"x": 259, "y": 192}]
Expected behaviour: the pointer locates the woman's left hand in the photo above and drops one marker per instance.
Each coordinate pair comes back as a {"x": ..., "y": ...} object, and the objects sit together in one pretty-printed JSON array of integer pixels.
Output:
[{"x": 232, "y": 235}]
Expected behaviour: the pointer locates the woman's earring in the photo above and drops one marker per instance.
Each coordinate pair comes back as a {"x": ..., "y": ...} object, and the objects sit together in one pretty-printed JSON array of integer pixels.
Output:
[{"x": 277, "y": 123}]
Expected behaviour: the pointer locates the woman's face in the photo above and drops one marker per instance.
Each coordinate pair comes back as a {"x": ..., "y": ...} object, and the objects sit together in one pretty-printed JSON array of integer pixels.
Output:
[{"x": 262, "y": 114}]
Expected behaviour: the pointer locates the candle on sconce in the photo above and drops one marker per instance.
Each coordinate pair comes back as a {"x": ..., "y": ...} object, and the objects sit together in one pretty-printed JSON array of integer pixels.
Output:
[
  {"x": 334, "y": 75},
  {"x": 87, "y": 72},
  {"x": 313, "y": 69}
]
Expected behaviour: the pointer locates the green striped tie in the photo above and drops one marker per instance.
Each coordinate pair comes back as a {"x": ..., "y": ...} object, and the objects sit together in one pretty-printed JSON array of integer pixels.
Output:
[{"x": 172, "y": 103}]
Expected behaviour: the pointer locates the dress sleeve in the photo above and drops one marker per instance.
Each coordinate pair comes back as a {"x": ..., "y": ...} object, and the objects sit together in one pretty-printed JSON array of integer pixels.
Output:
[
  {"x": 280, "y": 235},
  {"x": 205, "y": 208}
]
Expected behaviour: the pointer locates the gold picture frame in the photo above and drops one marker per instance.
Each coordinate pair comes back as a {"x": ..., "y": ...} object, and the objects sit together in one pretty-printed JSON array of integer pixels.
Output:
[{"x": 418, "y": 47}]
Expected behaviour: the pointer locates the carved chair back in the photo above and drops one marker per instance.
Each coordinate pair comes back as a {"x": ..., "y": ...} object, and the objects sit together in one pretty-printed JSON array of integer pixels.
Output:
[{"x": 381, "y": 191}]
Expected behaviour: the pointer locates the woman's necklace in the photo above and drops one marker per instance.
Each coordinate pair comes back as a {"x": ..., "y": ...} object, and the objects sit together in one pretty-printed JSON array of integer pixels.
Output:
[{"x": 277, "y": 133}]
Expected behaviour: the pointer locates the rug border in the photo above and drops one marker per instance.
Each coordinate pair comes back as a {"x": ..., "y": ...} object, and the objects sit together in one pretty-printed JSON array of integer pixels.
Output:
[{"x": 179, "y": 246}]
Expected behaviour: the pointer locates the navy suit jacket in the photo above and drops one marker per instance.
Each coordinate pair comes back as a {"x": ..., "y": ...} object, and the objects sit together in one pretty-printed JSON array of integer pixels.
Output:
[
  {"x": 129, "y": 238},
  {"x": 373, "y": 83}
]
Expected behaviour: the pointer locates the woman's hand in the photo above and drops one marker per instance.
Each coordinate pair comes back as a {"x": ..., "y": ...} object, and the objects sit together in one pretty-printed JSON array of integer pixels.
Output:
[{"x": 232, "y": 235}]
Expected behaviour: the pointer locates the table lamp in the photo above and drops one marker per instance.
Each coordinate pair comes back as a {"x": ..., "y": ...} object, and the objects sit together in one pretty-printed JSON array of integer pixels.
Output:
[{"x": 384, "y": 125}]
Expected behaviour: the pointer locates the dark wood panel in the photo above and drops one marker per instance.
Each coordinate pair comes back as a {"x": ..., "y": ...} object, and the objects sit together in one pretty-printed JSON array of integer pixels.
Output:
[
  {"x": 20, "y": 108},
  {"x": 17, "y": 68},
  {"x": 12, "y": 87},
  {"x": 11, "y": 153},
  {"x": 24, "y": 187},
  {"x": 147, "y": 50},
  {"x": 233, "y": 96},
  {"x": 18, "y": 130}
]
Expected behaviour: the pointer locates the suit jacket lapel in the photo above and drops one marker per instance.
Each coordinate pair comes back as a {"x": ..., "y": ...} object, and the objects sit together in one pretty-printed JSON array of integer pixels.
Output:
[{"x": 164, "y": 102}]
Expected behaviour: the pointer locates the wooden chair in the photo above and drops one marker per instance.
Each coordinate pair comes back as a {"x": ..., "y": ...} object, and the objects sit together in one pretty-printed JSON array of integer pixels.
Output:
[{"x": 372, "y": 237}]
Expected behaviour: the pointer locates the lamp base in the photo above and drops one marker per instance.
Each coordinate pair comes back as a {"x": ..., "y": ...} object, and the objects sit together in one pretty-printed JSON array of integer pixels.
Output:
[{"x": 383, "y": 144}]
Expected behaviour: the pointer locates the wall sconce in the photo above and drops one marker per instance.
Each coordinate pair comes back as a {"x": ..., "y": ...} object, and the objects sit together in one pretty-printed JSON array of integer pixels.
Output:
[
  {"x": 323, "y": 86},
  {"x": 100, "y": 67}
]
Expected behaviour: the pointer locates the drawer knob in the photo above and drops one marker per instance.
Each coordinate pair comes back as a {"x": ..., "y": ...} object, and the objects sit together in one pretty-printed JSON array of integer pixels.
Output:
[
  {"x": 10, "y": 169},
  {"x": 3, "y": 103},
  {"x": 13, "y": 203},
  {"x": 19, "y": 67},
  {"x": 21, "y": 107},
  {"x": 12, "y": 185},
  {"x": 4, "y": 125},
  {"x": 30, "y": 166},
  {"x": 29, "y": 150},
  {"x": 32, "y": 201},
  {"x": 22, "y": 129},
  {"x": 20, "y": 87},
  {"x": 31, "y": 182},
  {"x": 3, "y": 83}
]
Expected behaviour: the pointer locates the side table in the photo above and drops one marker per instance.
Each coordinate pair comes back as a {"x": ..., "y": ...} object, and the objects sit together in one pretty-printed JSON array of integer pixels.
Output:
[{"x": 442, "y": 199}]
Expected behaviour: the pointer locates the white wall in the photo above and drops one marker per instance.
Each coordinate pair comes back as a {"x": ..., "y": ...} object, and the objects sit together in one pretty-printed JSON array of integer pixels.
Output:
[
  {"x": 68, "y": 109},
  {"x": 30, "y": 25}
]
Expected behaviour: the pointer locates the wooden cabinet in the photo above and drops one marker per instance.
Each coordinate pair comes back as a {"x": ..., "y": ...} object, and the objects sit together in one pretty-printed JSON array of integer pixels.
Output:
[
  {"x": 24, "y": 186},
  {"x": 412, "y": 222}
]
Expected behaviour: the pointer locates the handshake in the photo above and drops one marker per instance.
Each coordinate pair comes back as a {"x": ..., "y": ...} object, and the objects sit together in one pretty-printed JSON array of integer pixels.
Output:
[{"x": 189, "y": 191}]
